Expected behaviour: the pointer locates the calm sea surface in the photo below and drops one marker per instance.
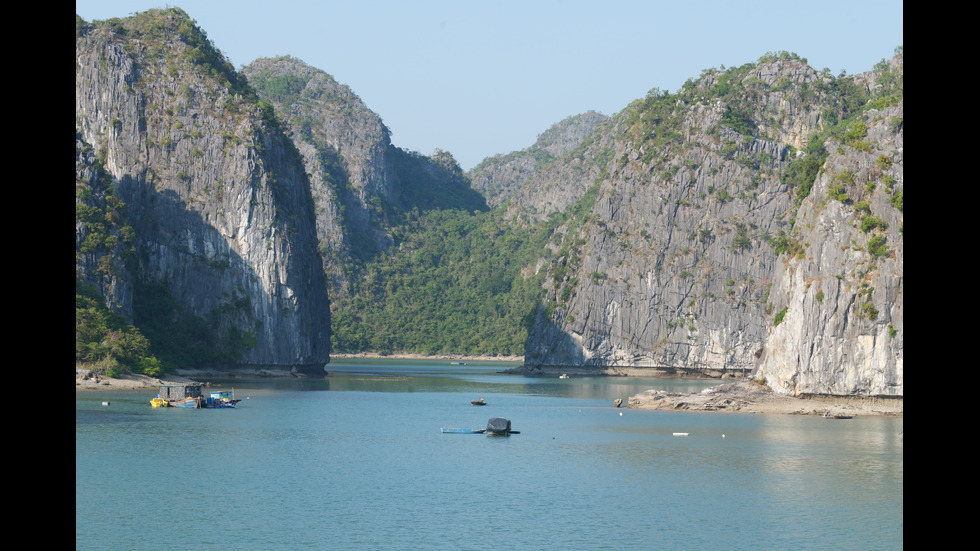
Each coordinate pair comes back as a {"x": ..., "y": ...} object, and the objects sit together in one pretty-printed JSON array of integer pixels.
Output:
[{"x": 357, "y": 461}]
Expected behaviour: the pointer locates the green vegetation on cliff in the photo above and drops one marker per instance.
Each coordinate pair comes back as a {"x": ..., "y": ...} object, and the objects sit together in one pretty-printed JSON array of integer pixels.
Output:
[{"x": 105, "y": 341}]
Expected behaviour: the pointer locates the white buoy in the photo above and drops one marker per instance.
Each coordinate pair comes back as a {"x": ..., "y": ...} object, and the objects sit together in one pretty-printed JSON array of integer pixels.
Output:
[{"x": 621, "y": 414}]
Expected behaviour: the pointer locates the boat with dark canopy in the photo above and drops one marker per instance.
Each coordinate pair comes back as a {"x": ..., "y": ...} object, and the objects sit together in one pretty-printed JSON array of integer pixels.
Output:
[{"x": 498, "y": 426}]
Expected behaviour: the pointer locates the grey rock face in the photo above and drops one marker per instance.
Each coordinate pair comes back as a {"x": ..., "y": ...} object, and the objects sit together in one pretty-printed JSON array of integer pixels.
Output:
[
  {"x": 217, "y": 196},
  {"x": 344, "y": 144},
  {"x": 674, "y": 264},
  {"x": 843, "y": 327},
  {"x": 501, "y": 177},
  {"x": 100, "y": 263},
  {"x": 674, "y": 272}
]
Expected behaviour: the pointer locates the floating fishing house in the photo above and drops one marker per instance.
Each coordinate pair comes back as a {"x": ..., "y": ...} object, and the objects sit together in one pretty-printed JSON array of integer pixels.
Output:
[
  {"x": 181, "y": 396},
  {"x": 172, "y": 393},
  {"x": 191, "y": 396}
]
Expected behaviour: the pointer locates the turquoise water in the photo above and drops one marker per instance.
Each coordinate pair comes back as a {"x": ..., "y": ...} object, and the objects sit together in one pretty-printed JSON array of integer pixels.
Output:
[{"x": 357, "y": 461}]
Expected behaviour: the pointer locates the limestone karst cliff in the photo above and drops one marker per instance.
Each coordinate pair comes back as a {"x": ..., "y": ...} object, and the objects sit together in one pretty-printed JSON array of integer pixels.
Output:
[
  {"x": 500, "y": 177},
  {"x": 345, "y": 149},
  {"x": 104, "y": 240},
  {"x": 840, "y": 301},
  {"x": 700, "y": 241},
  {"x": 359, "y": 181},
  {"x": 216, "y": 195},
  {"x": 748, "y": 224}
]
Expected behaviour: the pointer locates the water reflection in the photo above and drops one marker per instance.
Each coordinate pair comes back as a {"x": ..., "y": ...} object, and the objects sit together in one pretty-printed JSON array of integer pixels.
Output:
[{"x": 477, "y": 379}]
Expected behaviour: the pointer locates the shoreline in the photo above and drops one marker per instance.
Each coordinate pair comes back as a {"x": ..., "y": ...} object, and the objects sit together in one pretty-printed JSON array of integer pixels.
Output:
[
  {"x": 629, "y": 371},
  {"x": 412, "y": 356},
  {"x": 86, "y": 379},
  {"x": 749, "y": 397},
  {"x": 742, "y": 396}
]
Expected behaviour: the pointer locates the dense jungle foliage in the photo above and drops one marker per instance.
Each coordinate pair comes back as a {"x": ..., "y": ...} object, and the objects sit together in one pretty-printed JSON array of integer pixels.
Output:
[
  {"x": 105, "y": 341},
  {"x": 457, "y": 282}
]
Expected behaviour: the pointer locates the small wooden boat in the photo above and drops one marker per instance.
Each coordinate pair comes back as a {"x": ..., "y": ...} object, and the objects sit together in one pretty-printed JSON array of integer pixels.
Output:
[
  {"x": 837, "y": 416},
  {"x": 455, "y": 430},
  {"x": 563, "y": 376},
  {"x": 480, "y": 402},
  {"x": 159, "y": 402},
  {"x": 192, "y": 403},
  {"x": 219, "y": 399}
]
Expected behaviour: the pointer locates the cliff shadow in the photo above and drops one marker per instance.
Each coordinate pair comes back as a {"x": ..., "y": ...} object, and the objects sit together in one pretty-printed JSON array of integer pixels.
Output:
[
  {"x": 549, "y": 346},
  {"x": 427, "y": 183},
  {"x": 196, "y": 299}
]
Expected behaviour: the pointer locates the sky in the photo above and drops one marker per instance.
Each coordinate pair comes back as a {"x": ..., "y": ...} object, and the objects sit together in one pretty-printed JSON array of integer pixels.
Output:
[{"x": 478, "y": 78}]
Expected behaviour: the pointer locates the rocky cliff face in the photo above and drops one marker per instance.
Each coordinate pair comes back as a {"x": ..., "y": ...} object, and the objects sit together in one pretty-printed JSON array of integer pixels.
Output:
[
  {"x": 500, "y": 177},
  {"x": 346, "y": 150},
  {"x": 841, "y": 301},
  {"x": 688, "y": 247},
  {"x": 104, "y": 242},
  {"x": 216, "y": 195},
  {"x": 359, "y": 181}
]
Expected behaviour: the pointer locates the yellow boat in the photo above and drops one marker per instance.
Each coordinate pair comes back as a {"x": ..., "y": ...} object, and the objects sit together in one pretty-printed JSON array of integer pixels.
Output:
[{"x": 159, "y": 402}]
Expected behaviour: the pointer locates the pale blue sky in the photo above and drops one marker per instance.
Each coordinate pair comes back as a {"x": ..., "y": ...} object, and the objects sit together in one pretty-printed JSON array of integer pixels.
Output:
[{"x": 477, "y": 78}]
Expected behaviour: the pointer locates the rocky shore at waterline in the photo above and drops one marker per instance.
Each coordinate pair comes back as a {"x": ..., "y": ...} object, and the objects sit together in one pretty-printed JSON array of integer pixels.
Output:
[
  {"x": 87, "y": 379},
  {"x": 750, "y": 397},
  {"x": 409, "y": 356}
]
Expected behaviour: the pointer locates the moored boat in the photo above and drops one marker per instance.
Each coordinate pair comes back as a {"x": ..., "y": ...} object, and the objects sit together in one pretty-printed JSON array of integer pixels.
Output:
[
  {"x": 221, "y": 399},
  {"x": 190, "y": 396},
  {"x": 480, "y": 402},
  {"x": 191, "y": 403},
  {"x": 498, "y": 426}
]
